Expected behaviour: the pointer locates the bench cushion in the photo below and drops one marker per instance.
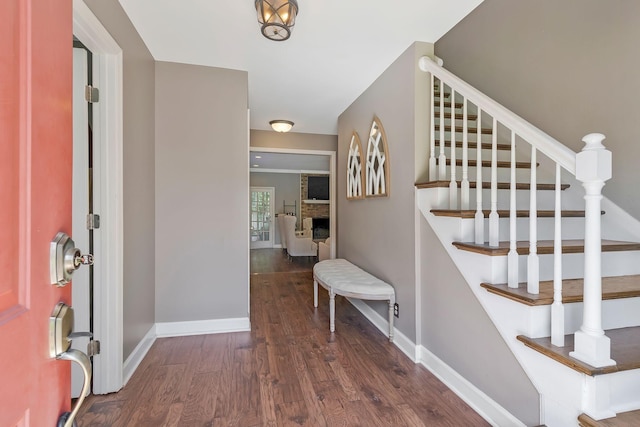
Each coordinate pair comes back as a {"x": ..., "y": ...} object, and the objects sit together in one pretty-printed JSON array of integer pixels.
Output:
[{"x": 341, "y": 275}]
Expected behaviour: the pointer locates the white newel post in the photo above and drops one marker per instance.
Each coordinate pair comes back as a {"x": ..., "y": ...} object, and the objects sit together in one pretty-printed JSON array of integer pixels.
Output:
[{"x": 593, "y": 168}]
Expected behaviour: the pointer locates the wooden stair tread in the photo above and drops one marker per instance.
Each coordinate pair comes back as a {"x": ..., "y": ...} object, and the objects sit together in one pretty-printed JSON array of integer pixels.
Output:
[
  {"x": 624, "y": 350},
  {"x": 484, "y": 146},
  {"x": 623, "y": 419},
  {"x": 505, "y": 213},
  {"x": 447, "y": 104},
  {"x": 545, "y": 247},
  {"x": 458, "y": 116},
  {"x": 487, "y": 185},
  {"x": 484, "y": 131},
  {"x": 612, "y": 288},
  {"x": 487, "y": 164}
]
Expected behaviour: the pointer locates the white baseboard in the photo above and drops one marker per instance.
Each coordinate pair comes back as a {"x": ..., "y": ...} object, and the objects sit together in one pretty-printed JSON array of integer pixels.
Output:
[
  {"x": 277, "y": 245},
  {"x": 133, "y": 361},
  {"x": 399, "y": 339},
  {"x": 490, "y": 410},
  {"x": 201, "y": 327}
]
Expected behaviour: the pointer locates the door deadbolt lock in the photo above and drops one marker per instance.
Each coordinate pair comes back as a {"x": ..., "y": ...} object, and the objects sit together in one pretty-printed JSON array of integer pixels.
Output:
[{"x": 65, "y": 258}]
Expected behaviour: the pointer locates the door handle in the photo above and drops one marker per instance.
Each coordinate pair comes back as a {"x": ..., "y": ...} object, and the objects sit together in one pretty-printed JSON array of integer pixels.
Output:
[
  {"x": 68, "y": 418},
  {"x": 64, "y": 259},
  {"x": 60, "y": 337}
]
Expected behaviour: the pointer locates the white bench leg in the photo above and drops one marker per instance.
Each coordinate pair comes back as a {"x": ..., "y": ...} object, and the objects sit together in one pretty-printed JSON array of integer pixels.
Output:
[
  {"x": 391, "y": 304},
  {"x": 332, "y": 311},
  {"x": 315, "y": 293}
]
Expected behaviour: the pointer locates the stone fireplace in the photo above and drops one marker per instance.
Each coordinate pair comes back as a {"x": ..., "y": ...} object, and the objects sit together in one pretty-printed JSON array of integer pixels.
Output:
[{"x": 317, "y": 210}]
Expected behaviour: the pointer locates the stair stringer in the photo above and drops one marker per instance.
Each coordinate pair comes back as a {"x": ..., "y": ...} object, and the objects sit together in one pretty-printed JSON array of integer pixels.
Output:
[{"x": 565, "y": 393}]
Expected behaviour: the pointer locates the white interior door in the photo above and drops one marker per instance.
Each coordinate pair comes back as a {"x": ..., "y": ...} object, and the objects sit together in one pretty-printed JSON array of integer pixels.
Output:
[{"x": 261, "y": 218}]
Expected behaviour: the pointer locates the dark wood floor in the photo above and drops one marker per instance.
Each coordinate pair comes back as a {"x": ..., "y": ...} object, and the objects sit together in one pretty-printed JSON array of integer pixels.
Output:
[
  {"x": 288, "y": 371},
  {"x": 276, "y": 261}
]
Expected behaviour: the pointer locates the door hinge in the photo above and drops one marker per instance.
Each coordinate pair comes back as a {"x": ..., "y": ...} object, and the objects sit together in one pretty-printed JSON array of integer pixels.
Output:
[
  {"x": 93, "y": 348},
  {"x": 93, "y": 221},
  {"x": 91, "y": 94}
]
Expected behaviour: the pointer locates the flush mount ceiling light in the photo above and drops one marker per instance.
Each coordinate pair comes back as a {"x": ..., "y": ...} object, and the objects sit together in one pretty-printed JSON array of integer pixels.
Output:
[
  {"x": 277, "y": 18},
  {"x": 281, "y": 125}
]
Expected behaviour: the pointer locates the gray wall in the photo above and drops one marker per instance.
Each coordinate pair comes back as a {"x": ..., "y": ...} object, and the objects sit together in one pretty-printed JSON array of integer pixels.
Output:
[
  {"x": 293, "y": 140},
  {"x": 569, "y": 67},
  {"x": 287, "y": 188},
  {"x": 139, "y": 173},
  {"x": 202, "y": 199},
  {"x": 378, "y": 234}
]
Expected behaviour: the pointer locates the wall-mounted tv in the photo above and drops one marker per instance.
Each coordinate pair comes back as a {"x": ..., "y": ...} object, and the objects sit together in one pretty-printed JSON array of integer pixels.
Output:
[{"x": 318, "y": 188}]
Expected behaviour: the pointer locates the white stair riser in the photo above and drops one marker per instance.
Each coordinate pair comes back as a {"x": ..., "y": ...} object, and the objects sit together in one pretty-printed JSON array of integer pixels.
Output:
[
  {"x": 572, "y": 228},
  {"x": 617, "y": 313},
  {"x": 625, "y": 390},
  {"x": 545, "y": 199},
  {"x": 504, "y": 174},
  {"x": 613, "y": 264}
]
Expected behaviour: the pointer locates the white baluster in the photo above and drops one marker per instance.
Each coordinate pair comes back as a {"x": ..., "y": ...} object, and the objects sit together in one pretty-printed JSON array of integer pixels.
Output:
[
  {"x": 479, "y": 219},
  {"x": 493, "y": 216},
  {"x": 512, "y": 258},
  {"x": 464, "y": 186},
  {"x": 453, "y": 185},
  {"x": 533, "y": 263},
  {"x": 432, "y": 135},
  {"x": 557, "y": 309},
  {"x": 593, "y": 168},
  {"x": 442, "y": 159}
]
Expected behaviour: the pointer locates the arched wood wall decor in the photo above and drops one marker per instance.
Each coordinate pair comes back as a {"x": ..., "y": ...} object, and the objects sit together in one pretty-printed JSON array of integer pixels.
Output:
[
  {"x": 355, "y": 177},
  {"x": 377, "y": 169}
]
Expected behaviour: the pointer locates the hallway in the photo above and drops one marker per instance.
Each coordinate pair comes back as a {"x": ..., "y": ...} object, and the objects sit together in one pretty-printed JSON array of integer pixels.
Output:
[{"x": 288, "y": 371}]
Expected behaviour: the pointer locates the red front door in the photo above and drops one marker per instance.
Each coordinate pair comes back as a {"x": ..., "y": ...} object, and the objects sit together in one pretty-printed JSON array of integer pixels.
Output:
[{"x": 35, "y": 203}]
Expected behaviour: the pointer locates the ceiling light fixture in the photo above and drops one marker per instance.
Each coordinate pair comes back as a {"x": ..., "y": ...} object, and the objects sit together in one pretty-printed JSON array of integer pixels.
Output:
[
  {"x": 281, "y": 125},
  {"x": 277, "y": 18}
]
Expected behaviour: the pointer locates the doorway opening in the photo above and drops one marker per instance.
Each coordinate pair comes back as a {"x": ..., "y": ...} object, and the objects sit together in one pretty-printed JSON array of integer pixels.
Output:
[
  {"x": 290, "y": 169},
  {"x": 82, "y": 207},
  {"x": 107, "y": 197}
]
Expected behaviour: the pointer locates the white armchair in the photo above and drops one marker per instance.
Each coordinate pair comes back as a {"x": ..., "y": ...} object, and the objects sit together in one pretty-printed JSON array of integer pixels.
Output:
[
  {"x": 283, "y": 239},
  {"x": 324, "y": 249},
  {"x": 297, "y": 246}
]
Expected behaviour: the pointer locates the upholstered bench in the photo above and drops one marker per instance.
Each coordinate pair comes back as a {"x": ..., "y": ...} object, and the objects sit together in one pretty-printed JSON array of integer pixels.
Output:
[{"x": 340, "y": 277}]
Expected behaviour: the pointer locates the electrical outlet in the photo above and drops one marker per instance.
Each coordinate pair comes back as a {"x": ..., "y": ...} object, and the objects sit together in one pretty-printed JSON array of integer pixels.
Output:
[{"x": 396, "y": 310}]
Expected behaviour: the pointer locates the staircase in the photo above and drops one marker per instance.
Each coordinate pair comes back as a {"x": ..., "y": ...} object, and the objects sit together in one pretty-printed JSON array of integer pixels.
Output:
[{"x": 556, "y": 273}]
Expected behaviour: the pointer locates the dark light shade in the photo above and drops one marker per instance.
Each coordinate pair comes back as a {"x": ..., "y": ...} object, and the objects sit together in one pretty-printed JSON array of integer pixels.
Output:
[{"x": 277, "y": 18}]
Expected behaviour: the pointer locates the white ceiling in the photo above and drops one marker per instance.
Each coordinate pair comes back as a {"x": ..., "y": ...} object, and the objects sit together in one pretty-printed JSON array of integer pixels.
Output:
[{"x": 337, "y": 48}]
